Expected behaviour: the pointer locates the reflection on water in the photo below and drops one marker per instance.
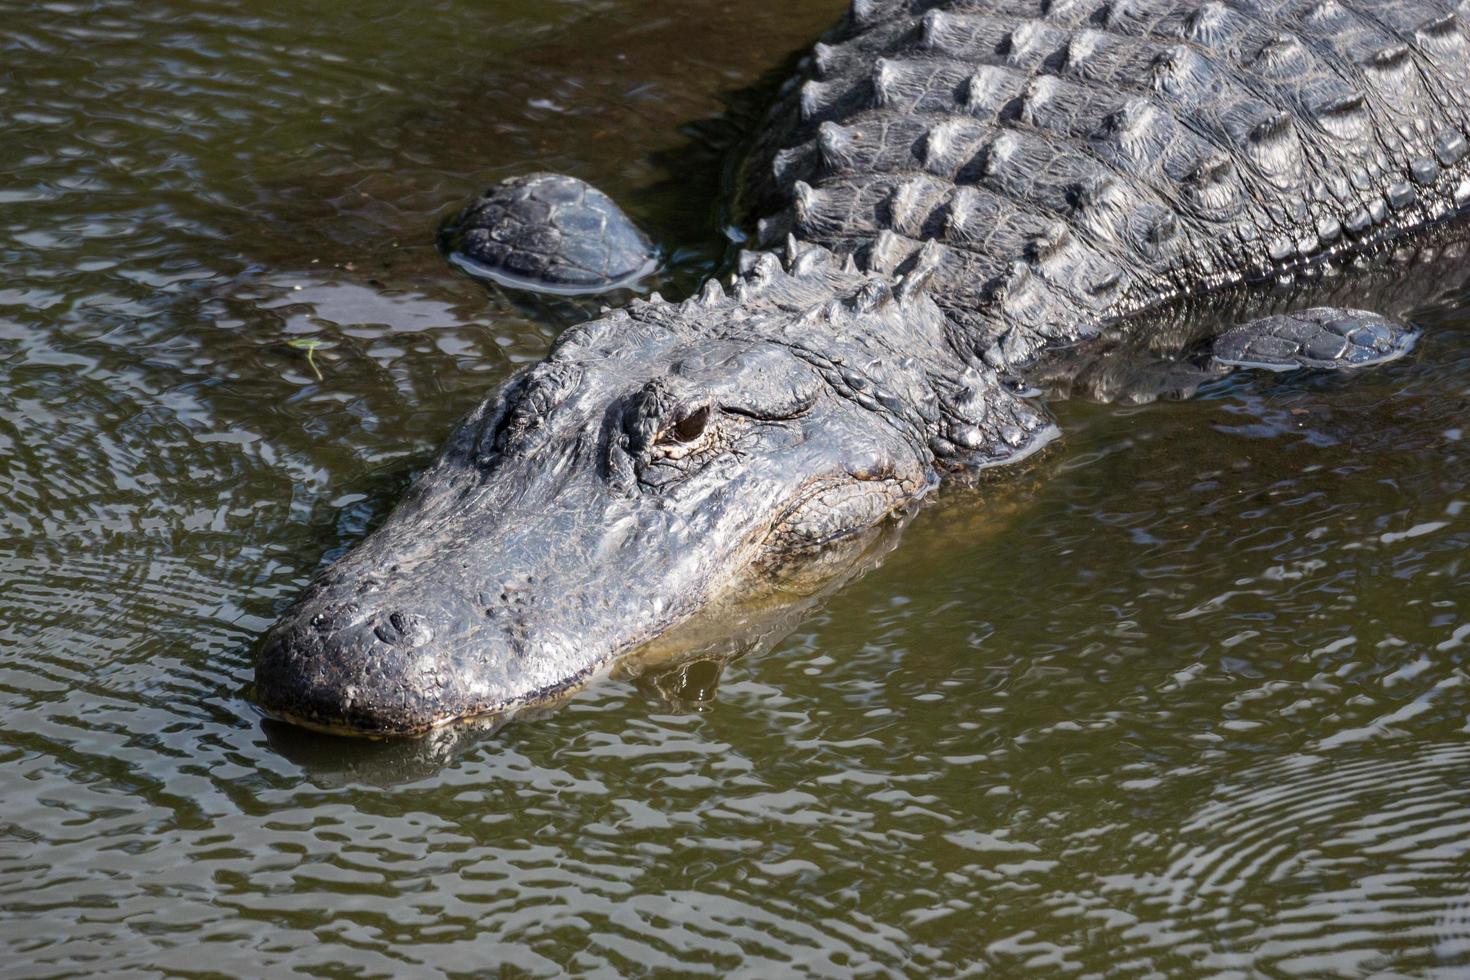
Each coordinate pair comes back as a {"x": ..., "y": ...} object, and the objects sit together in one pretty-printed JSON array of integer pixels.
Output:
[{"x": 1187, "y": 697}]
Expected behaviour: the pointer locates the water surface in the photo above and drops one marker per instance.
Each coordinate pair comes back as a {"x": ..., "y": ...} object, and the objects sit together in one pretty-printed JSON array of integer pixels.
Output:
[{"x": 1187, "y": 697}]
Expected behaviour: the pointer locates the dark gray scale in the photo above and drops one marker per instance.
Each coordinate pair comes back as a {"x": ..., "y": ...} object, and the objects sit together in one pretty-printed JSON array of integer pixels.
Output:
[
  {"x": 1076, "y": 161},
  {"x": 948, "y": 198},
  {"x": 550, "y": 233}
]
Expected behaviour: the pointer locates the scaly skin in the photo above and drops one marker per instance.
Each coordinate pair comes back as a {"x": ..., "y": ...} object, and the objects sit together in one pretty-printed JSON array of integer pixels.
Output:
[
  {"x": 1079, "y": 161},
  {"x": 553, "y": 232},
  {"x": 952, "y": 189},
  {"x": 625, "y": 482}
]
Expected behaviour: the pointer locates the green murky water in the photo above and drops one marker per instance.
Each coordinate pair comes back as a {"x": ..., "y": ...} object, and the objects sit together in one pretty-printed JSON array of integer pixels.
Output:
[{"x": 1189, "y": 698}]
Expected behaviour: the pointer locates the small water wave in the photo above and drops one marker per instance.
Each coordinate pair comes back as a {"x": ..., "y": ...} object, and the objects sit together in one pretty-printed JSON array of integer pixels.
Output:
[{"x": 1318, "y": 865}]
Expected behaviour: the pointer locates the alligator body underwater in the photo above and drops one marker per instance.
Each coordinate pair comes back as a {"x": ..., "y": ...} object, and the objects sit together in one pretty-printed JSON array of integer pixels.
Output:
[{"x": 946, "y": 192}]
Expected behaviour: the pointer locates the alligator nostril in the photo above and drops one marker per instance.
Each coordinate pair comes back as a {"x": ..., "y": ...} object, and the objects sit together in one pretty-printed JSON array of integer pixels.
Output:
[
  {"x": 403, "y": 629},
  {"x": 336, "y": 617},
  {"x": 392, "y": 631}
]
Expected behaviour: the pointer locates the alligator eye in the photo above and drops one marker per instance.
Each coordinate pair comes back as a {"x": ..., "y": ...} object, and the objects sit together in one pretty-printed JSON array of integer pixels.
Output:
[{"x": 691, "y": 426}]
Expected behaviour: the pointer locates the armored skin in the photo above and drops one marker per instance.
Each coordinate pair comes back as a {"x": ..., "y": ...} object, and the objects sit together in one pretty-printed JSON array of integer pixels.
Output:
[
  {"x": 947, "y": 193},
  {"x": 551, "y": 233}
]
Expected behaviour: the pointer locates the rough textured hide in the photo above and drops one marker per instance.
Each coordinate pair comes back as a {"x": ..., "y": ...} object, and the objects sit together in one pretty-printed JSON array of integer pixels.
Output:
[
  {"x": 1171, "y": 351},
  {"x": 946, "y": 195},
  {"x": 552, "y": 233},
  {"x": 1081, "y": 161}
]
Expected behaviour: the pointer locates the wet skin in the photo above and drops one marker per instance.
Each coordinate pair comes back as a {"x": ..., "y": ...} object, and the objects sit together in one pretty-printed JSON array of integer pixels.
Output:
[{"x": 603, "y": 497}]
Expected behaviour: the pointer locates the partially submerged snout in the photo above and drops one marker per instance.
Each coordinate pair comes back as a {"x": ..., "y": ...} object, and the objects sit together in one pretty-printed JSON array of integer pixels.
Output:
[
  {"x": 606, "y": 496},
  {"x": 477, "y": 603}
]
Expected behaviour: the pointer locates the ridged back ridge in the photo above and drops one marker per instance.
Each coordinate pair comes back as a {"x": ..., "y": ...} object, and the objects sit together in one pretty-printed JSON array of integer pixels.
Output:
[{"x": 1080, "y": 160}]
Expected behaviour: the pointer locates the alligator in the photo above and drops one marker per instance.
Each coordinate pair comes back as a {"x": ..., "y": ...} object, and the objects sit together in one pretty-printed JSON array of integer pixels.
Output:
[{"x": 945, "y": 194}]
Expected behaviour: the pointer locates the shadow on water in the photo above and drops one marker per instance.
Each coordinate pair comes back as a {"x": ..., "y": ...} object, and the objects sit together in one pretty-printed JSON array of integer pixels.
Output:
[
  {"x": 337, "y": 761},
  {"x": 621, "y": 121}
]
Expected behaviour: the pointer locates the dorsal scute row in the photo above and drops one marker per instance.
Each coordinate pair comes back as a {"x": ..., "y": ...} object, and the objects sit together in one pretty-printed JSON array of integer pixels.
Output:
[{"x": 1082, "y": 159}]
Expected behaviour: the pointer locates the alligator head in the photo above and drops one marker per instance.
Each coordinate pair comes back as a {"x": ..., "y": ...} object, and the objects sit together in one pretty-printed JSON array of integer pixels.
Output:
[{"x": 656, "y": 458}]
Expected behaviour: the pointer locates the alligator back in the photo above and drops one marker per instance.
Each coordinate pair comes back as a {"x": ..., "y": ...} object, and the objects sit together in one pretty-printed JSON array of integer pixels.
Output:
[{"x": 1080, "y": 160}]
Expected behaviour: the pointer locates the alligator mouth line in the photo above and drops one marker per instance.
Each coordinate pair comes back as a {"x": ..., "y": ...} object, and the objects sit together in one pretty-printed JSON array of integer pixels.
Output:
[
  {"x": 529, "y": 704},
  {"x": 656, "y": 639}
]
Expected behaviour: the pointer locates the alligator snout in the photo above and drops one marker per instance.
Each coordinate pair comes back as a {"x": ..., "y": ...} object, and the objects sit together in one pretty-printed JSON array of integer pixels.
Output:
[
  {"x": 385, "y": 670},
  {"x": 354, "y": 669},
  {"x": 610, "y": 495}
]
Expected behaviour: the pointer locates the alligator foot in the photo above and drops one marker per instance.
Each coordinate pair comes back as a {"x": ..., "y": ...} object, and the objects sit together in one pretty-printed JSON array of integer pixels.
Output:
[
  {"x": 1318, "y": 339},
  {"x": 549, "y": 233},
  {"x": 1325, "y": 338}
]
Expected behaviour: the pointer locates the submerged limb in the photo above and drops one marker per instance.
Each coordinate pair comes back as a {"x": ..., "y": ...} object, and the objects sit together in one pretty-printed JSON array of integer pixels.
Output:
[
  {"x": 1324, "y": 338},
  {"x": 1319, "y": 339},
  {"x": 549, "y": 233}
]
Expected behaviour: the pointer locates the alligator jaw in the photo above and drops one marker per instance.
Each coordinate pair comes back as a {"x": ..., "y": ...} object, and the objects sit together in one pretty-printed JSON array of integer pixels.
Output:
[{"x": 760, "y": 609}]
